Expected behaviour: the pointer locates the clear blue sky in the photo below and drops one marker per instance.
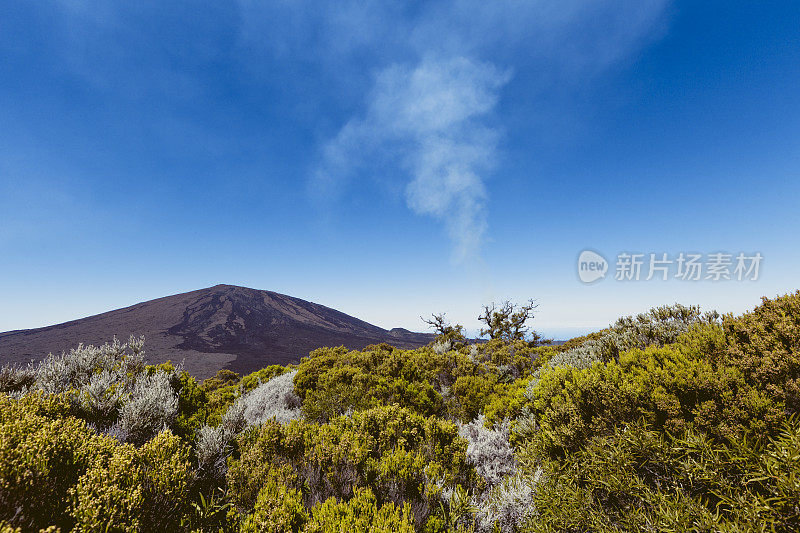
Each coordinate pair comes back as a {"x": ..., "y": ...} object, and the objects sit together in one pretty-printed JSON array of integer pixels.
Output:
[{"x": 393, "y": 159}]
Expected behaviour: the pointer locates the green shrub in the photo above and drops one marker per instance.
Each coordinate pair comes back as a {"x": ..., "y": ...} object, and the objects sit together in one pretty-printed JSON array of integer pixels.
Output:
[
  {"x": 41, "y": 458},
  {"x": 765, "y": 346},
  {"x": 672, "y": 387},
  {"x": 506, "y": 403},
  {"x": 192, "y": 407},
  {"x": 332, "y": 381},
  {"x": 278, "y": 508},
  {"x": 361, "y": 513},
  {"x": 639, "y": 479},
  {"x": 626, "y": 482},
  {"x": 392, "y": 450},
  {"x": 136, "y": 489},
  {"x": 471, "y": 394}
]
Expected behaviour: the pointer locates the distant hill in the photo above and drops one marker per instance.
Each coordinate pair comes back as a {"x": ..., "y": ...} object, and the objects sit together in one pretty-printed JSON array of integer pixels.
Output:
[{"x": 224, "y": 326}]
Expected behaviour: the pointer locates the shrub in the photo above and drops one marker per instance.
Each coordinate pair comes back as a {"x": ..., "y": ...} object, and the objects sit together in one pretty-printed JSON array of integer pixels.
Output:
[
  {"x": 333, "y": 381},
  {"x": 110, "y": 387},
  {"x": 42, "y": 456},
  {"x": 212, "y": 451},
  {"x": 620, "y": 483},
  {"x": 226, "y": 386},
  {"x": 658, "y": 327},
  {"x": 192, "y": 406},
  {"x": 470, "y": 394},
  {"x": 278, "y": 508},
  {"x": 101, "y": 398},
  {"x": 488, "y": 450},
  {"x": 507, "y": 402},
  {"x": 153, "y": 406},
  {"x": 639, "y": 479},
  {"x": 136, "y": 489},
  {"x": 508, "y": 505},
  {"x": 390, "y": 449},
  {"x": 361, "y": 513},
  {"x": 274, "y": 399},
  {"x": 75, "y": 369},
  {"x": 15, "y": 379},
  {"x": 765, "y": 346},
  {"x": 672, "y": 387}
]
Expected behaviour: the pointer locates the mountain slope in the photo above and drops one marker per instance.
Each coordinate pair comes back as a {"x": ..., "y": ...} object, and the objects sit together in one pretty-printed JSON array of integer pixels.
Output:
[{"x": 224, "y": 326}]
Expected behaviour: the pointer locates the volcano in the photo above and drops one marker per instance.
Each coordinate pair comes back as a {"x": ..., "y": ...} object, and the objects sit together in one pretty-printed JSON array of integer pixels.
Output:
[{"x": 224, "y": 326}]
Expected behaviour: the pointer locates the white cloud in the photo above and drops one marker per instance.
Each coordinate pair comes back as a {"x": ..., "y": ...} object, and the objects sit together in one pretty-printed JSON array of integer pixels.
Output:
[
  {"x": 440, "y": 68},
  {"x": 432, "y": 117}
]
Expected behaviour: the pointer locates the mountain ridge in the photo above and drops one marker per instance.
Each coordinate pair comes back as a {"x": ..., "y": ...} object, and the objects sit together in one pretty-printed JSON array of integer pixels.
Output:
[{"x": 224, "y": 326}]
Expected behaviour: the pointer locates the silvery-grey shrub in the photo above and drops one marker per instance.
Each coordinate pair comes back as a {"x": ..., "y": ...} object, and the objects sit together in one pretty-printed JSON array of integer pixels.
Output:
[
  {"x": 580, "y": 357},
  {"x": 509, "y": 497},
  {"x": 103, "y": 396},
  {"x": 659, "y": 326},
  {"x": 212, "y": 449},
  {"x": 75, "y": 369},
  {"x": 273, "y": 400},
  {"x": 17, "y": 379},
  {"x": 442, "y": 347},
  {"x": 508, "y": 505},
  {"x": 153, "y": 405},
  {"x": 489, "y": 450}
]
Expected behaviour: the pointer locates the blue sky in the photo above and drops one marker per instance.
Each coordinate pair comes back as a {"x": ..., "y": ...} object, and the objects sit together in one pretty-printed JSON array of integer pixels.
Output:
[{"x": 393, "y": 159}]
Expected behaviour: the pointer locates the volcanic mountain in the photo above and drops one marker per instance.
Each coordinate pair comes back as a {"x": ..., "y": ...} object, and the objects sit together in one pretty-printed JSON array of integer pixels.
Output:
[{"x": 224, "y": 326}]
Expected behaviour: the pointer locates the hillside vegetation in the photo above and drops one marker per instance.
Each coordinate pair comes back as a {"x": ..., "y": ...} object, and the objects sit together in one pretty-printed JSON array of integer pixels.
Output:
[{"x": 672, "y": 420}]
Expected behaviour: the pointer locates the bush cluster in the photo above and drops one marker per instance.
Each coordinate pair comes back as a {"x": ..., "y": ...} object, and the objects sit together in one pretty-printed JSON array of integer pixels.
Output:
[
  {"x": 669, "y": 420},
  {"x": 391, "y": 450},
  {"x": 700, "y": 380}
]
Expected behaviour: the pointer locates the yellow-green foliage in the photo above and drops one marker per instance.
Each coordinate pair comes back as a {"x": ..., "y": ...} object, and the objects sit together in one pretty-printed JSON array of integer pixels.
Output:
[
  {"x": 457, "y": 382},
  {"x": 192, "y": 407},
  {"x": 278, "y": 508},
  {"x": 514, "y": 357},
  {"x": 638, "y": 479},
  {"x": 506, "y": 402},
  {"x": 470, "y": 395},
  {"x": 42, "y": 456},
  {"x": 361, "y": 513},
  {"x": 136, "y": 489},
  {"x": 670, "y": 386},
  {"x": 765, "y": 346},
  {"x": 332, "y": 381},
  {"x": 389, "y": 449}
]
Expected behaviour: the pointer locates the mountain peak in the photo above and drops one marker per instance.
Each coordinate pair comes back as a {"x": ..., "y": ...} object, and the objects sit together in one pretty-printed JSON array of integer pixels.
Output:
[{"x": 223, "y": 326}]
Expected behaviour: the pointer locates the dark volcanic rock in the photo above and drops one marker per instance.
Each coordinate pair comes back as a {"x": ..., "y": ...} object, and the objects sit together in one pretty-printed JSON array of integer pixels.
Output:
[{"x": 222, "y": 326}]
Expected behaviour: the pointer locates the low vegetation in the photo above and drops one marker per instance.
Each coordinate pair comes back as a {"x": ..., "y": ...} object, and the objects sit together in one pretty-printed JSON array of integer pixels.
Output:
[{"x": 670, "y": 420}]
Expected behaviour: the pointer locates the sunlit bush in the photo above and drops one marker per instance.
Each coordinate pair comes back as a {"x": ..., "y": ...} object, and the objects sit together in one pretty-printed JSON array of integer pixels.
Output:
[
  {"x": 43, "y": 453},
  {"x": 153, "y": 406},
  {"x": 638, "y": 479},
  {"x": 361, "y": 513},
  {"x": 136, "y": 489},
  {"x": 389, "y": 449}
]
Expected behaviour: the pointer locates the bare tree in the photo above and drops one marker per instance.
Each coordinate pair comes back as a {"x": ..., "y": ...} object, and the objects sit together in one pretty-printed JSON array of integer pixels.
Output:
[
  {"x": 509, "y": 321},
  {"x": 444, "y": 330}
]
